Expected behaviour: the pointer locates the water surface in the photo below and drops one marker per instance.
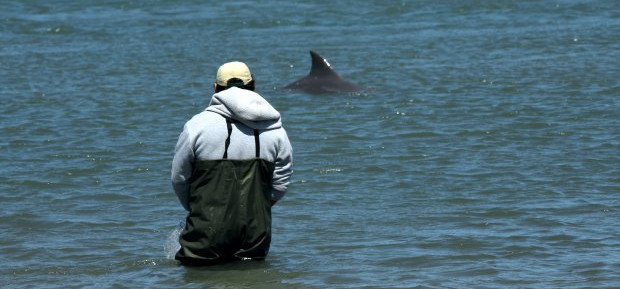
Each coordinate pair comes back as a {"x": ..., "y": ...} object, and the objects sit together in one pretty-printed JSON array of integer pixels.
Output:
[{"x": 484, "y": 153}]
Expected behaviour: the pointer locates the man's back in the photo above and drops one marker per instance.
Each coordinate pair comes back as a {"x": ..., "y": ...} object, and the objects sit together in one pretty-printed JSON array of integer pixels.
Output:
[{"x": 204, "y": 137}]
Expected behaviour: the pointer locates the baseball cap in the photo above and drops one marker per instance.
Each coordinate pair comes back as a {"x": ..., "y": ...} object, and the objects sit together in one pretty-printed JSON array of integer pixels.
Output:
[{"x": 232, "y": 70}]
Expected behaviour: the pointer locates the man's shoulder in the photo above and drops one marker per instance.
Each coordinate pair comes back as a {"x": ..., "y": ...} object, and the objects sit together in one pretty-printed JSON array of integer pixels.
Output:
[
  {"x": 202, "y": 120},
  {"x": 205, "y": 115}
]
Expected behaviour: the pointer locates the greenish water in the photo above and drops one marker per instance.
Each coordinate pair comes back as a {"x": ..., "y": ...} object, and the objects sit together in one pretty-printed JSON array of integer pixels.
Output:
[{"x": 484, "y": 153}]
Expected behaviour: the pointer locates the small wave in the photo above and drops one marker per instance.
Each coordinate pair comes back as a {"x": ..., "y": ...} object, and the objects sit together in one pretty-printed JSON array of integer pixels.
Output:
[{"x": 172, "y": 246}]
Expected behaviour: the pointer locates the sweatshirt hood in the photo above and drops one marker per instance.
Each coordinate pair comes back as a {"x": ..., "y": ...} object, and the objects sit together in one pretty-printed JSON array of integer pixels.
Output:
[{"x": 246, "y": 106}]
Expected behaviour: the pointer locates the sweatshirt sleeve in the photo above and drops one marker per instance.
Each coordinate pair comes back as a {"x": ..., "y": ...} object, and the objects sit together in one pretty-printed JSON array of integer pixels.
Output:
[
  {"x": 182, "y": 167},
  {"x": 283, "y": 168}
]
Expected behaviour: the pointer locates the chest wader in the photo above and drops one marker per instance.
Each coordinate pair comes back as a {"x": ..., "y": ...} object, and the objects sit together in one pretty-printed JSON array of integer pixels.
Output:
[{"x": 230, "y": 209}]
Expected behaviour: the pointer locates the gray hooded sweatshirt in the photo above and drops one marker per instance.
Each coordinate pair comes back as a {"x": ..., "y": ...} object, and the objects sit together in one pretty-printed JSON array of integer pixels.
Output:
[{"x": 204, "y": 137}]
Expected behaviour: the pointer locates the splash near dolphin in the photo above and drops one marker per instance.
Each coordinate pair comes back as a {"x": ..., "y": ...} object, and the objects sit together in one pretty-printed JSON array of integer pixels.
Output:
[{"x": 322, "y": 79}]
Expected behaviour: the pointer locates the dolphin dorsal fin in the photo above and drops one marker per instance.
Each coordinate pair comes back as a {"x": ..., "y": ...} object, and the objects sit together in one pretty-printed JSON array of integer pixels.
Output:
[
  {"x": 320, "y": 66},
  {"x": 322, "y": 79}
]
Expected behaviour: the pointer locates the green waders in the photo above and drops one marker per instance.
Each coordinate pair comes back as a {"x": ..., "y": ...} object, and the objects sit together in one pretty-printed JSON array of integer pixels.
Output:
[{"x": 230, "y": 210}]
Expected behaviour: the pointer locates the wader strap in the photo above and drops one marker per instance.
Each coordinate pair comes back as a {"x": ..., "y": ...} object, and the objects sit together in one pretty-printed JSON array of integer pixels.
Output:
[
  {"x": 257, "y": 143},
  {"x": 227, "y": 143},
  {"x": 229, "y": 126}
]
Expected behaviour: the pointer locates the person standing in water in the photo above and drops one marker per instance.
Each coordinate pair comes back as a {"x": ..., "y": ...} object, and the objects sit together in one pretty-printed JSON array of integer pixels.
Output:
[{"x": 232, "y": 163}]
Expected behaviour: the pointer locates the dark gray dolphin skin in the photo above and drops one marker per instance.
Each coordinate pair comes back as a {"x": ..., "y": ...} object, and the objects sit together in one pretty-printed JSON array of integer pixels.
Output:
[{"x": 322, "y": 79}]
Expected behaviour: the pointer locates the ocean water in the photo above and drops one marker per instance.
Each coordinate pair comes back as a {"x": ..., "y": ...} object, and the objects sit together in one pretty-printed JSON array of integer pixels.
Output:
[{"x": 483, "y": 153}]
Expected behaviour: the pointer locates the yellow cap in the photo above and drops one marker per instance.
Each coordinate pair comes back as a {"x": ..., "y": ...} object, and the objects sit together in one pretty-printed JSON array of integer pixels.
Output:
[{"x": 232, "y": 70}]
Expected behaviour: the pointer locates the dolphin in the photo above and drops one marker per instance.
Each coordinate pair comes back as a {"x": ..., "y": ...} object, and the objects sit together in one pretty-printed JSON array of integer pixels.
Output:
[{"x": 322, "y": 79}]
